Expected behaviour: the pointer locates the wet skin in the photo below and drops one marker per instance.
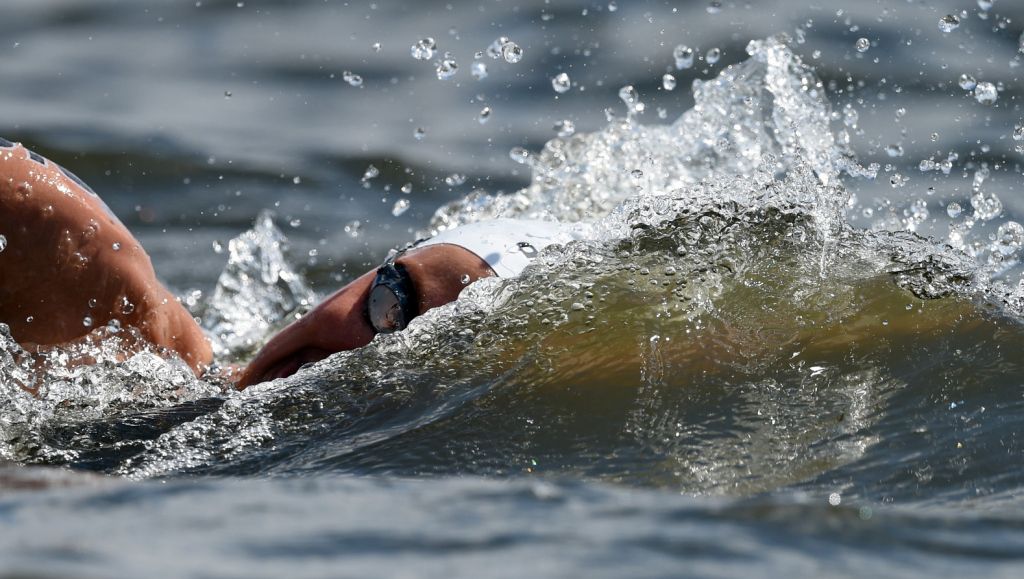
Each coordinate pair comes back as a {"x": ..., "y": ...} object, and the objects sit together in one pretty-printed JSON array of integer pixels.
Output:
[
  {"x": 340, "y": 323},
  {"x": 67, "y": 260}
]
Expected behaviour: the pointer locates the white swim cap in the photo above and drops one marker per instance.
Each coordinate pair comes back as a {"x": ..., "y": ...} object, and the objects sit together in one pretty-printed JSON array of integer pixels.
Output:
[{"x": 507, "y": 245}]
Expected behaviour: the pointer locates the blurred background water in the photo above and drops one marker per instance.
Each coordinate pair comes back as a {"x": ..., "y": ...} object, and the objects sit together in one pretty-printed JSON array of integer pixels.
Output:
[{"x": 190, "y": 117}]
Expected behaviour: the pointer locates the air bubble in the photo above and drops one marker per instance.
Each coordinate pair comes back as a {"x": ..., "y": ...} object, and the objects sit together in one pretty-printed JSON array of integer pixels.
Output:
[
  {"x": 985, "y": 5},
  {"x": 3, "y": 243},
  {"x": 954, "y": 210},
  {"x": 407, "y": 188},
  {"x": 116, "y": 246},
  {"x": 87, "y": 321},
  {"x": 484, "y": 116},
  {"x": 668, "y": 82},
  {"x": 949, "y": 23},
  {"x": 419, "y": 133},
  {"x": 353, "y": 228},
  {"x": 968, "y": 82},
  {"x": 713, "y": 55},
  {"x": 862, "y": 44},
  {"x": 371, "y": 172},
  {"x": 455, "y": 179},
  {"x": 561, "y": 83}
]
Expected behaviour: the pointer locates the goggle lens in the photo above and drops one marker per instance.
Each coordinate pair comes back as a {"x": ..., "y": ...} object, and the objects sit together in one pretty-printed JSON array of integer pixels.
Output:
[{"x": 385, "y": 310}]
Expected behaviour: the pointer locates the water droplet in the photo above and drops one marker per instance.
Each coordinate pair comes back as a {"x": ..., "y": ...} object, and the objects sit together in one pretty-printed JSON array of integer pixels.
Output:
[
  {"x": 629, "y": 95},
  {"x": 985, "y": 5},
  {"x": 227, "y": 94},
  {"x": 986, "y": 93},
  {"x": 447, "y": 67},
  {"x": 295, "y": 222},
  {"x": 713, "y": 55},
  {"x": 683, "y": 56},
  {"x": 116, "y": 246},
  {"x": 714, "y": 7},
  {"x": 423, "y": 49},
  {"x": 126, "y": 306},
  {"x": 455, "y": 179},
  {"x": 954, "y": 210},
  {"x": 464, "y": 279},
  {"x": 297, "y": 180},
  {"x": 375, "y": 46},
  {"x": 352, "y": 78},
  {"x": 370, "y": 173},
  {"x": 1009, "y": 238},
  {"x": 352, "y": 228},
  {"x": 419, "y": 133},
  {"x": 484, "y": 116},
  {"x": 519, "y": 155},
  {"x": 612, "y": 6},
  {"x": 968, "y": 82},
  {"x": 862, "y": 44},
  {"x": 565, "y": 128},
  {"x": 87, "y": 321},
  {"x": 494, "y": 50},
  {"x": 3, "y": 243},
  {"x": 218, "y": 247},
  {"x": 668, "y": 82},
  {"x": 561, "y": 83},
  {"x": 636, "y": 173},
  {"x": 30, "y": 319},
  {"x": 478, "y": 70},
  {"x": 407, "y": 188},
  {"x": 949, "y": 23},
  {"x": 511, "y": 52},
  {"x": 401, "y": 206},
  {"x": 986, "y": 205}
]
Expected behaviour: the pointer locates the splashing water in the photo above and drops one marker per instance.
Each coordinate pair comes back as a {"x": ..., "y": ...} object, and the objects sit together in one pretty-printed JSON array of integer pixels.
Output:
[{"x": 715, "y": 254}]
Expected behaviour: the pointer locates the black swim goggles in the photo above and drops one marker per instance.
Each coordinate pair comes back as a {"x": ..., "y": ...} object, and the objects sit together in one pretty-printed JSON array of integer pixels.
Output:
[{"x": 392, "y": 302}]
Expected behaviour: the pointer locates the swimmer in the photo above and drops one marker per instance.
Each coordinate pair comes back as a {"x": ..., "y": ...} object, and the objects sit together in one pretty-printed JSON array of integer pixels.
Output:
[{"x": 70, "y": 266}]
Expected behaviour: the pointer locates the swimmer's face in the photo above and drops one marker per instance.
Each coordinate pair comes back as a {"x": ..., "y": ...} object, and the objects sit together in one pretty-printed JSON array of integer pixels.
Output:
[{"x": 437, "y": 274}]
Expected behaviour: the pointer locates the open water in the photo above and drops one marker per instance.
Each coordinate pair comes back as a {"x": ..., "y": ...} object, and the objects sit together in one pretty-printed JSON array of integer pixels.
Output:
[{"x": 790, "y": 346}]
